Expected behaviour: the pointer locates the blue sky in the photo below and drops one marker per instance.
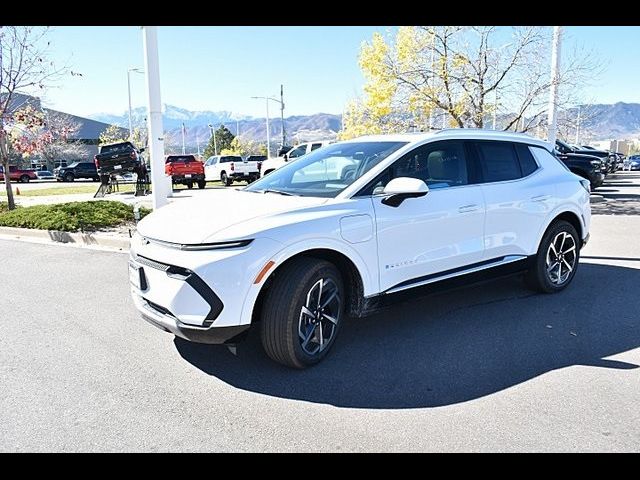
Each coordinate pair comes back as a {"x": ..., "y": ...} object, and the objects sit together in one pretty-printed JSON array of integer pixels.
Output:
[{"x": 219, "y": 68}]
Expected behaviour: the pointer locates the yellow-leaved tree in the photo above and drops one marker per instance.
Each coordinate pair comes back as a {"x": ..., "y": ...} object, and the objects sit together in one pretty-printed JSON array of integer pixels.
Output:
[{"x": 426, "y": 77}]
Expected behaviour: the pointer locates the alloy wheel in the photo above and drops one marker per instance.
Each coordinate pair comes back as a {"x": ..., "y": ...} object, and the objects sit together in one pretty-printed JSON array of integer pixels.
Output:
[
  {"x": 561, "y": 258},
  {"x": 319, "y": 316}
]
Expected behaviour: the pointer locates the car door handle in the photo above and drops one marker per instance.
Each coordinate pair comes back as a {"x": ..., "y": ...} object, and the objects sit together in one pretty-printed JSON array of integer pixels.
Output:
[
  {"x": 540, "y": 198},
  {"x": 468, "y": 208}
]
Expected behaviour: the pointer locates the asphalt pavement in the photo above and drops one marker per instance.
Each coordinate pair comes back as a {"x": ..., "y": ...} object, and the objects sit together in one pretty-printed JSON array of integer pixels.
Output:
[{"x": 485, "y": 368}]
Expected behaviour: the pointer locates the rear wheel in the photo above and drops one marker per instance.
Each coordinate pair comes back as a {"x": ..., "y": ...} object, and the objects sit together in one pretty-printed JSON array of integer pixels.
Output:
[
  {"x": 224, "y": 178},
  {"x": 302, "y": 312},
  {"x": 202, "y": 183},
  {"x": 24, "y": 179},
  {"x": 189, "y": 185},
  {"x": 69, "y": 177},
  {"x": 556, "y": 262}
]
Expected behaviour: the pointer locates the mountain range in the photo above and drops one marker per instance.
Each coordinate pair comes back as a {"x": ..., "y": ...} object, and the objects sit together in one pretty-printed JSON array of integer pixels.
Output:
[
  {"x": 599, "y": 122},
  {"x": 299, "y": 128}
]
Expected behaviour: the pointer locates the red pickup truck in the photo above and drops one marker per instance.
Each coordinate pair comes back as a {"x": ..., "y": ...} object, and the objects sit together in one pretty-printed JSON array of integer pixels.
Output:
[
  {"x": 185, "y": 169},
  {"x": 18, "y": 175}
]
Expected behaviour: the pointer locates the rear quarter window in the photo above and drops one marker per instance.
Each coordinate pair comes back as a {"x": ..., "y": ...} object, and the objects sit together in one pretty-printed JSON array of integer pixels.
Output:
[{"x": 527, "y": 162}]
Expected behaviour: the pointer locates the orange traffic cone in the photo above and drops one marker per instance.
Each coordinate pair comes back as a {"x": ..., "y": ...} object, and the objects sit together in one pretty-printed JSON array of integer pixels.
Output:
[{"x": 17, "y": 191}]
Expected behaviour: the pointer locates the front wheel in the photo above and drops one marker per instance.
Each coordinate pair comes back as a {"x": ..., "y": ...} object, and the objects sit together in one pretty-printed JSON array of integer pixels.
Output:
[
  {"x": 556, "y": 262},
  {"x": 69, "y": 177},
  {"x": 224, "y": 178},
  {"x": 302, "y": 312},
  {"x": 24, "y": 178}
]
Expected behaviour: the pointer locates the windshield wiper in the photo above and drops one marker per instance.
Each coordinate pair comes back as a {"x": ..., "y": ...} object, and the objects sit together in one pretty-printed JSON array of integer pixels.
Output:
[{"x": 279, "y": 192}]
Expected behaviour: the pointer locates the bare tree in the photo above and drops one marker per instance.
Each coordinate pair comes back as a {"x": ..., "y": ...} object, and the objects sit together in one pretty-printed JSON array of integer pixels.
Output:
[{"x": 24, "y": 67}]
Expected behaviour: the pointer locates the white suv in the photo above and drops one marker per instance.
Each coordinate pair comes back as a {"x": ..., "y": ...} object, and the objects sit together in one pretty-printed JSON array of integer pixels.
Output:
[
  {"x": 272, "y": 164},
  {"x": 344, "y": 228}
]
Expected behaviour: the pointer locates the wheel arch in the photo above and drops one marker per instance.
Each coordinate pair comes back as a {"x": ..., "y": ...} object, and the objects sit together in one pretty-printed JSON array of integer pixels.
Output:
[
  {"x": 567, "y": 215},
  {"x": 350, "y": 273}
]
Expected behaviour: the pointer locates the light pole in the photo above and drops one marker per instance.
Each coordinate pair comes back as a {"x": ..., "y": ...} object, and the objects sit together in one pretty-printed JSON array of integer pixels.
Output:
[
  {"x": 215, "y": 144},
  {"x": 282, "y": 131},
  {"x": 552, "y": 121},
  {"x": 129, "y": 90}
]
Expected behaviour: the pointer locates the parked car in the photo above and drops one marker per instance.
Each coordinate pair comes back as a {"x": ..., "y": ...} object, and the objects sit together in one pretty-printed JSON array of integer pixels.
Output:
[
  {"x": 77, "y": 170},
  {"x": 119, "y": 158},
  {"x": 185, "y": 170},
  {"x": 346, "y": 227},
  {"x": 272, "y": 164},
  {"x": 18, "y": 174},
  {"x": 607, "y": 158},
  {"x": 589, "y": 167},
  {"x": 230, "y": 168},
  {"x": 45, "y": 175},
  {"x": 634, "y": 162}
]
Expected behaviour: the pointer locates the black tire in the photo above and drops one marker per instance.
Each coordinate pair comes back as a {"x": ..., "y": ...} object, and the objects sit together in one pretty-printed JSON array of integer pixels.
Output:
[
  {"x": 189, "y": 185},
  {"x": 202, "y": 184},
  {"x": 69, "y": 177},
  {"x": 24, "y": 179},
  {"x": 550, "y": 280},
  {"x": 281, "y": 315},
  {"x": 226, "y": 181}
]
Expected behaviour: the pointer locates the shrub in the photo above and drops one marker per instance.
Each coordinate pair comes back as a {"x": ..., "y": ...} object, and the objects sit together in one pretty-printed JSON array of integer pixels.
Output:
[{"x": 70, "y": 217}]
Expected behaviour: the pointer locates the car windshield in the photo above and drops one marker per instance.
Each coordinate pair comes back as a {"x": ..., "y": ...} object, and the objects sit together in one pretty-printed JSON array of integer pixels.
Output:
[{"x": 327, "y": 171}]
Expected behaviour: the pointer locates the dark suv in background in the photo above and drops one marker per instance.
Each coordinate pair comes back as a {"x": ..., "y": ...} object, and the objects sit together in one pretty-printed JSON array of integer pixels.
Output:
[
  {"x": 586, "y": 166},
  {"x": 77, "y": 170},
  {"x": 608, "y": 159}
]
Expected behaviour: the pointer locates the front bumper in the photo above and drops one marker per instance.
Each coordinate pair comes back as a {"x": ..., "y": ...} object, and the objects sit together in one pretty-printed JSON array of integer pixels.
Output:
[
  {"x": 193, "y": 293},
  {"x": 168, "y": 323}
]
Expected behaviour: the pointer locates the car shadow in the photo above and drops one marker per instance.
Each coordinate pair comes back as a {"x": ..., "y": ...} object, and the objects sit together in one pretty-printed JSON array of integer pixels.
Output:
[{"x": 451, "y": 347}]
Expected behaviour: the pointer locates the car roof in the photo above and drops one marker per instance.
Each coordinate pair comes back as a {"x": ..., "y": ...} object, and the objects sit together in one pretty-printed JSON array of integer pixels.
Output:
[{"x": 456, "y": 134}]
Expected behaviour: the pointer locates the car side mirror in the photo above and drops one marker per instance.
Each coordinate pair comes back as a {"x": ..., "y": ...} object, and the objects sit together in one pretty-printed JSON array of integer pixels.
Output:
[{"x": 399, "y": 189}]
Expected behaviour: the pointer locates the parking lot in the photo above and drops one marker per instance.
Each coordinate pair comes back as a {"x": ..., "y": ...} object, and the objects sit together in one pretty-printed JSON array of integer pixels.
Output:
[{"x": 485, "y": 368}]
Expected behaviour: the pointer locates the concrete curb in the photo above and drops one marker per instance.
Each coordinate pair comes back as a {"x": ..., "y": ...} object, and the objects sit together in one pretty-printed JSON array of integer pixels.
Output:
[{"x": 55, "y": 236}]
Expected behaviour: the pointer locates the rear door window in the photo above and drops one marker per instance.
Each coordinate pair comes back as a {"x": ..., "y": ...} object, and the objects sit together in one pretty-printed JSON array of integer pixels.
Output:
[{"x": 498, "y": 161}]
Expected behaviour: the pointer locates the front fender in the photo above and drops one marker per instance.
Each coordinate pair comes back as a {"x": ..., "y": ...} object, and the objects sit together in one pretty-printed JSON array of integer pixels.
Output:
[{"x": 369, "y": 278}]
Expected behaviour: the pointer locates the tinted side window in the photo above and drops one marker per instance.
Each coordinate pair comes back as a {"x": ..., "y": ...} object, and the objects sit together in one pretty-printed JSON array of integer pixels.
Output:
[
  {"x": 298, "y": 151},
  {"x": 498, "y": 161},
  {"x": 315, "y": 146},
  {"x": 527, "y": 162},
  {"x": 438, "y": 164}
]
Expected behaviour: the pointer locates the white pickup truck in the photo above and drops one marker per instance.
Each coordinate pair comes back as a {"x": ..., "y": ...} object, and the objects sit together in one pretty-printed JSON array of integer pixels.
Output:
[
  {"x": 230, "y": 168},
  {"x": 272, "y": 164}
]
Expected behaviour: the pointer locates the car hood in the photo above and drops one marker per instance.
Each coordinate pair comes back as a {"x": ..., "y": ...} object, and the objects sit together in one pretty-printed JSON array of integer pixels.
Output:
[{"x": 205, "y": 218}]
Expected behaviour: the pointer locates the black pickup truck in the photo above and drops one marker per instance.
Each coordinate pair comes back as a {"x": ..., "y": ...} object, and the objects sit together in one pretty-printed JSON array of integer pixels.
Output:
[
  {"x": 586, "y": 166},
  {"x": 118, "y": 158}
]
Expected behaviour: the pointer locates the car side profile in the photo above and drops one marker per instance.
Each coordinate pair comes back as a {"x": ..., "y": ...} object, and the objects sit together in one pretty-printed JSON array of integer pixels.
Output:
[{"x": 348, "y": 227}]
